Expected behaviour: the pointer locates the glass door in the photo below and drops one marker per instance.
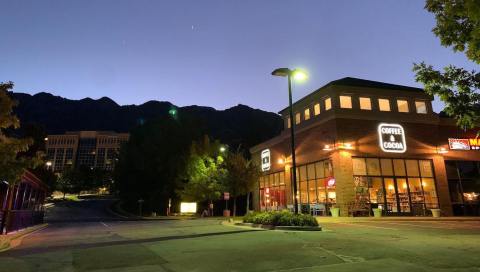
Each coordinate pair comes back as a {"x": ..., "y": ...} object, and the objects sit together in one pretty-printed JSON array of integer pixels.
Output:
[
  {"x": 390, "y": 195},
  {"x": 403, "y": 196}
]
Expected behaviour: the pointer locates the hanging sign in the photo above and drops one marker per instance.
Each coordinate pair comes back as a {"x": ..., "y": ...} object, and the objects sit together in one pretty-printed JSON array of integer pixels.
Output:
[
  {"x": 392, "y": 138},
  {"x": 464, "y": 144},
  {"x": 265, "y": 157}
]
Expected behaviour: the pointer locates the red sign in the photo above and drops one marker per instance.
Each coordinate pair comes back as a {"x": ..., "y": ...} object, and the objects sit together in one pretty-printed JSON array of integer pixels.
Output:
[
  {"x": 226, "y": 196},
  {"x": 463, "y": 144}
]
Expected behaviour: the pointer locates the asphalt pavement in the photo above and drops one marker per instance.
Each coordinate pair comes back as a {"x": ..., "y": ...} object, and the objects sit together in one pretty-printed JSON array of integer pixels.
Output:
[{"x": 91, "y": 239}]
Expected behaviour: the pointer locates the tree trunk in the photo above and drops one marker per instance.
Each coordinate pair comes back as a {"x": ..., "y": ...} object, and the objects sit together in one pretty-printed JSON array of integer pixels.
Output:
[
  {"x": 248, "y": 203},
  {"x": 64, "y": 195},
  {"x": 234, "y": 206}
]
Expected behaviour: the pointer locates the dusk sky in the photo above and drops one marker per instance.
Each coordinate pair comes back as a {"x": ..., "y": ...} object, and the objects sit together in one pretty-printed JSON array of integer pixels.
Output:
[{"x": 211, "y": 53}]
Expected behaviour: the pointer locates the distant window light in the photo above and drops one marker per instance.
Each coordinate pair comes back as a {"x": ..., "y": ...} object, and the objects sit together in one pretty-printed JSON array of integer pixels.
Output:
[
  {"x": 328, "y": 103},
  {"x": 306, "y": 113},
  {"x": 365, "y": 103},
  {"x": 402, "y": 105},
  {"x": 421, "y": 107},
  {"x": 316, "y": 109},
  {"x": 384, "y": 104},
  {"x": 289, "y": 123},
  {"x": 297, "y": 118},
  {"x": 345, "y": 102}
]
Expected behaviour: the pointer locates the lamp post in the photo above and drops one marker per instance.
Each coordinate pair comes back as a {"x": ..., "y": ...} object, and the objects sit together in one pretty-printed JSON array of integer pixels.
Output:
[{"x": 298, "y": 75}]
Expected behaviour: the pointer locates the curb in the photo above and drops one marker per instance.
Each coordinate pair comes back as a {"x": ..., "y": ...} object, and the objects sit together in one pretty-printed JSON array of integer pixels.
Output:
[
  {"x": 284, "y": 228},
  {"x": 16, "y": 239}
]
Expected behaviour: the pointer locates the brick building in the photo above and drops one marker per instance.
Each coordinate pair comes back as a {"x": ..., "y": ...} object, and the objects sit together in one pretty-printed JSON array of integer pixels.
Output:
[{"x": 362, "y": 143}]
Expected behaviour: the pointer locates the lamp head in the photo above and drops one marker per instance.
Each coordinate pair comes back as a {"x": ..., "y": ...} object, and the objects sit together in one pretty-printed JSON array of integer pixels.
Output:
[{"x": 283, "y": 72}]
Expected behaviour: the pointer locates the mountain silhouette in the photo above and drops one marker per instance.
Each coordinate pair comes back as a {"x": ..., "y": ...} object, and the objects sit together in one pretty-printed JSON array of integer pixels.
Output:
[{"x": 237, "y": 125}]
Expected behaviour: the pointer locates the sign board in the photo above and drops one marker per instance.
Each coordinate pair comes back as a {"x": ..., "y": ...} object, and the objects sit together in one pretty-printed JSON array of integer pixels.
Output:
[
  {"x": 464, "y": 144},
  {"x": 392, "y": 138},
  {"x": 265, "y": 156},
  {"x": 226, "y": 196},
  {"x": 458, "y": 144}
]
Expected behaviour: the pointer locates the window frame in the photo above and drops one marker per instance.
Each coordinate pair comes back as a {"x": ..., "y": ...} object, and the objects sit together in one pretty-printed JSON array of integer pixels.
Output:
[
  {"x": 380, "y": 107},
  {"x": 329, "y": 99},
  {"x": 350, "y": 101},
  {"x": 369, "y": 102},
  {"x": 398, "y": 106}
]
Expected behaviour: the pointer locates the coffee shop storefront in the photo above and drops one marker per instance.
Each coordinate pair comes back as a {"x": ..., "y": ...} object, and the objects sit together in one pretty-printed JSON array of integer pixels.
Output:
[{"x": 406, "y": 161}]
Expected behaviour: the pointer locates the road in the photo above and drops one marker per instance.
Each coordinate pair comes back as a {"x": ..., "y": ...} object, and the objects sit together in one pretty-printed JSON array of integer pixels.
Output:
[{"x": 92, "y": 240}]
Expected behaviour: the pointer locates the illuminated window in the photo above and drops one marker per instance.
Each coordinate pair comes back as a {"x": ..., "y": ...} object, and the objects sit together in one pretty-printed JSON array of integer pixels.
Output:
[
  {"x": 345, "y": 102},
  {"x": 421, "y": 107},
  {"x": 402, "y": 105},
  {"x": 365, "y": 103},
  {"x": 316, "y": 109},
  {"x": 328, "y": 103},
  {"x": 383, "y": 104},
  {"x": 307, "y": 114},
  {"x": 289, "y": 122},
  {"x": 297, "y": 118}
]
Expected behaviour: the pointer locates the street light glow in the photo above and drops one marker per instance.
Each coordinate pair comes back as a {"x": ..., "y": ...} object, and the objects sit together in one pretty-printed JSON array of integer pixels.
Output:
[
  {"x": 222, "y": 149},
  {"x": 299, "y": 75}
]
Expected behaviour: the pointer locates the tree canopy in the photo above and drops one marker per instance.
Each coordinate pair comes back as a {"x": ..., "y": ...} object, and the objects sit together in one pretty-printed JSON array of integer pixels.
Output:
[
  {"x": 12, "y": 165},
  {"x": 152, "y": 161},
  {"x": 457, "y": 25}
]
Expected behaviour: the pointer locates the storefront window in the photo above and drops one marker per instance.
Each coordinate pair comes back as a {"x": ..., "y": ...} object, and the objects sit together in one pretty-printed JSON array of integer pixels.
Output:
[
  {"x": 391, "y": 195},
  {"x": 376, "y": 192},
  {"x": 359, "y": 166},
  {"x": 403, "y": 197},
  {"x": 407, "y": 186},
  {"x": 312, "y": 191},
  {"x": 303, "y": 192},
  {"x": 399, "y": 167},
  {"x": 431, "y": 199},
  {"x": 386, "y": 165},
  {"x": 426, "y": 168},
  {"x": 373, "y": 167},
  {"x": 412, "y": 168}
]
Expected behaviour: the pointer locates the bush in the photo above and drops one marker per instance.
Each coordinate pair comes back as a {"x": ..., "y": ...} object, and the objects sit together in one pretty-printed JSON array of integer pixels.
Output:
[{"x": 280, "y": 218}]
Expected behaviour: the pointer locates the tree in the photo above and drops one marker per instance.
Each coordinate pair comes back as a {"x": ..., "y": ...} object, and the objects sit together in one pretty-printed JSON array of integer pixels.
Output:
[
  {"x": 12, "y": 166},
  {"x": 457, "y": 88},
  {"x": 458, "y": 25},
  {"x": 204, "y": 173},
  {"x": 242, "y": 174},
  {"x": 152, "y": 161}
]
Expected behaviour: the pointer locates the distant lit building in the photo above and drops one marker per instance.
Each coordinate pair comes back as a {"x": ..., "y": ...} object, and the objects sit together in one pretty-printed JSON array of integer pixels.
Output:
[{"x": 96, "y": 149}]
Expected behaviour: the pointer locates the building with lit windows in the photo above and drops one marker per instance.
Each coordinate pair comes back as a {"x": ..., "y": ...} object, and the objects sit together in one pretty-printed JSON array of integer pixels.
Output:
[
  {"x": 95, "y": 149},
  {"x": 363, "y": 144}
]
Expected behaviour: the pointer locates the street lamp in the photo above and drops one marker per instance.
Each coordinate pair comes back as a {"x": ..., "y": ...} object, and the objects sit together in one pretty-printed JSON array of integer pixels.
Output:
[{"x": 297, "y": 75}]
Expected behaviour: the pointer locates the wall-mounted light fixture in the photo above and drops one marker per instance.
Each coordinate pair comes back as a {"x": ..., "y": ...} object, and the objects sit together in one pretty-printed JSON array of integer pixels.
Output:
[
  {"x": 327, "y": 147},
  {"x": 442, "y": 150}
]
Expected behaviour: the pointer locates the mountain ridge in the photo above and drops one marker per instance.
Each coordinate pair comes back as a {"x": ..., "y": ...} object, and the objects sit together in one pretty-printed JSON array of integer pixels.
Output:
[{"x": 238, "y": 124}]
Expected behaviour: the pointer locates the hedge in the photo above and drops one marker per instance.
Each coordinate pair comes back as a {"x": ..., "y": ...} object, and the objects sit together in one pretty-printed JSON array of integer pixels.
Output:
[{"x": 280, "y": 218}]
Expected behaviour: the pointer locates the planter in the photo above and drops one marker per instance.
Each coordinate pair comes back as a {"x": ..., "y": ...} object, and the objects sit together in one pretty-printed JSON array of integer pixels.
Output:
[
  {"x": 226, "y": 213},
  {"x": 335, "y": 212},
  {"x": 377, "y": 212},
  {"x": 435, "y": 212}
]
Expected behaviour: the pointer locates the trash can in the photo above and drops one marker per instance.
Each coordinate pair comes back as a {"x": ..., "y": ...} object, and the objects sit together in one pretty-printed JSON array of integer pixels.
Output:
[
  {"x": 335, "y": 212},
  {"x": 435, "y": 212},
  {"x": 377, "y": 212}
]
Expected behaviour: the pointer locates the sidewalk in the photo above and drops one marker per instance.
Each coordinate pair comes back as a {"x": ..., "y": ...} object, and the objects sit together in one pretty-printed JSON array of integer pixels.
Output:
[
  {"x": 328, "y": 219},
  {"x": 14, "y": 238}
]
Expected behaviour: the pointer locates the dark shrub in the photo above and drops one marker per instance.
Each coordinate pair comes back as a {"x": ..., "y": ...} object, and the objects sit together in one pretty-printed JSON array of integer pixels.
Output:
[{"x": 280, "y": 218}]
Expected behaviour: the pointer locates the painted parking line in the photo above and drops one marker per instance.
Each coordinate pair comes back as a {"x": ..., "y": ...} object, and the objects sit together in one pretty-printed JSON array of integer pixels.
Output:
[
  {"x": 105, "y": 225},
  {"x": 363, "y": 225},
  {"x": 418, "y": 225}
]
